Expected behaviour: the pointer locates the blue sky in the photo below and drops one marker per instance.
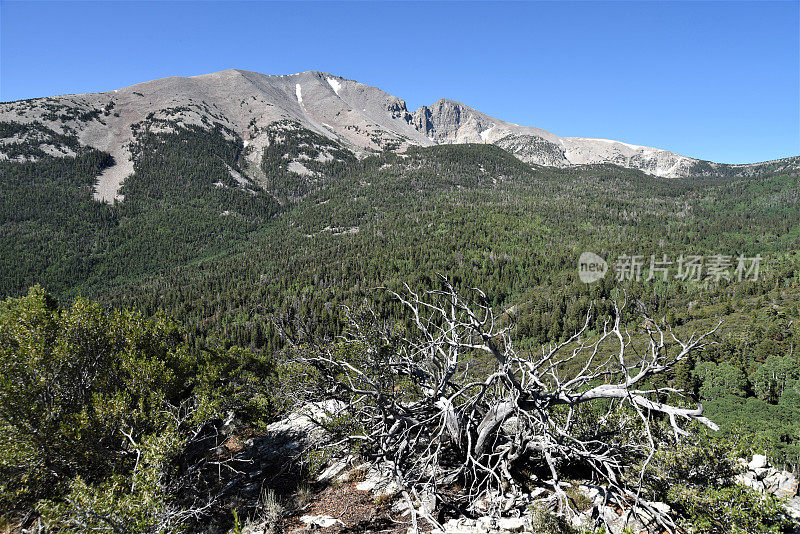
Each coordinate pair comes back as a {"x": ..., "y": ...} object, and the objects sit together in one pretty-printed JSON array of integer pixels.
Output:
[{"x": 716, "y": 80}]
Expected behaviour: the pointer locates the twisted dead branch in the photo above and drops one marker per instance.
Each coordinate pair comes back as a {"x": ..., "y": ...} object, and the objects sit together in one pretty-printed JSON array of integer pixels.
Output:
[{"x": 462, "y": 427}]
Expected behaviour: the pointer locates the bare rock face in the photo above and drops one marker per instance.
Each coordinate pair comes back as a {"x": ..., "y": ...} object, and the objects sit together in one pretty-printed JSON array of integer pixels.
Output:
[
  {"x": 449, "y": 122},
  {"x": 421, "y": 120},
  {"x": 579, "y": 150}
]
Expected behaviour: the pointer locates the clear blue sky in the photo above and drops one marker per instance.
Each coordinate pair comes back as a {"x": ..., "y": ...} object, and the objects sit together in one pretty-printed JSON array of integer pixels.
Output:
[{"x": 716, "y": 80}]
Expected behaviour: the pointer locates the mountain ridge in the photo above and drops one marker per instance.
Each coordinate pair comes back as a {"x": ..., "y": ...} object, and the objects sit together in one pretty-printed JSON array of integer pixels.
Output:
[{"x": 362, "y": 118}]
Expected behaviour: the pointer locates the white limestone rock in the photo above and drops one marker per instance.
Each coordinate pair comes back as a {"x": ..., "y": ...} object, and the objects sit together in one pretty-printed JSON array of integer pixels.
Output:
[{"x": 759, "y": 461}]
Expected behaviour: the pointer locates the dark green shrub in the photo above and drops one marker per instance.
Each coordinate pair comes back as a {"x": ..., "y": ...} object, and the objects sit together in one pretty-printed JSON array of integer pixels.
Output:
[
  {"x": 73, "y": 381},
  {"x": 731, "y": 510}
]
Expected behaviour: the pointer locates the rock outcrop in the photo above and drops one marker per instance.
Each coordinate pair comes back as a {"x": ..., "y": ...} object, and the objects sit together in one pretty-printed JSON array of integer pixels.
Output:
[{"x": 759, "y": 475}]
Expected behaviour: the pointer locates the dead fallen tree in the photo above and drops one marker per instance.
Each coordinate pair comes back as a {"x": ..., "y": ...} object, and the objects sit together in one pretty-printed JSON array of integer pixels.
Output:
[{"x": 425, "y": 405}]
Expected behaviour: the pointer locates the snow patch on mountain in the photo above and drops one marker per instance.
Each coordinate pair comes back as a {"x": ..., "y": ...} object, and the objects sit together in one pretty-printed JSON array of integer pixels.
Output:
[{"x": 335, "y": 84}]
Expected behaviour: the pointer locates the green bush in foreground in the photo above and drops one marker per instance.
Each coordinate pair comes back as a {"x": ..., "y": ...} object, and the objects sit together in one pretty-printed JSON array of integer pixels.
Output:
[
  {"x": 74, "y": 382},
  {"x": 730, "y": 510},
  {"x": 139, "y": 502},
  {"x": 96, "y": 404}
]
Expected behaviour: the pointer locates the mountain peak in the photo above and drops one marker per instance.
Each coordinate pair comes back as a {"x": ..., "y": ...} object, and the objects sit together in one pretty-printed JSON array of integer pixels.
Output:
[{"x": 355, "y": 115}]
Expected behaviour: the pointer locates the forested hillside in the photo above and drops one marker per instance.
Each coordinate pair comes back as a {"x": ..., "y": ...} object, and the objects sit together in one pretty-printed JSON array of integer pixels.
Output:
[{"x": 244, "y": 258}]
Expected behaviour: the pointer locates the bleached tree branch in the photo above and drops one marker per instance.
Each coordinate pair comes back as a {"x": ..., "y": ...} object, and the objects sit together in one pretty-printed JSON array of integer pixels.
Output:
[{"x": 420, "y": 404}]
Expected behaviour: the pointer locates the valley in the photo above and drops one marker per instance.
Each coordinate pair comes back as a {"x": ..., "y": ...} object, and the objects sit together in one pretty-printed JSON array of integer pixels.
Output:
[{"x": 207, "y": 236}]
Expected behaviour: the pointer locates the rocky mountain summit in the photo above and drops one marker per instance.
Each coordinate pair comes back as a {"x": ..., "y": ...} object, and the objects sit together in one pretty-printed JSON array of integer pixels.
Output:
[{"x": 358, "y": 117}]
